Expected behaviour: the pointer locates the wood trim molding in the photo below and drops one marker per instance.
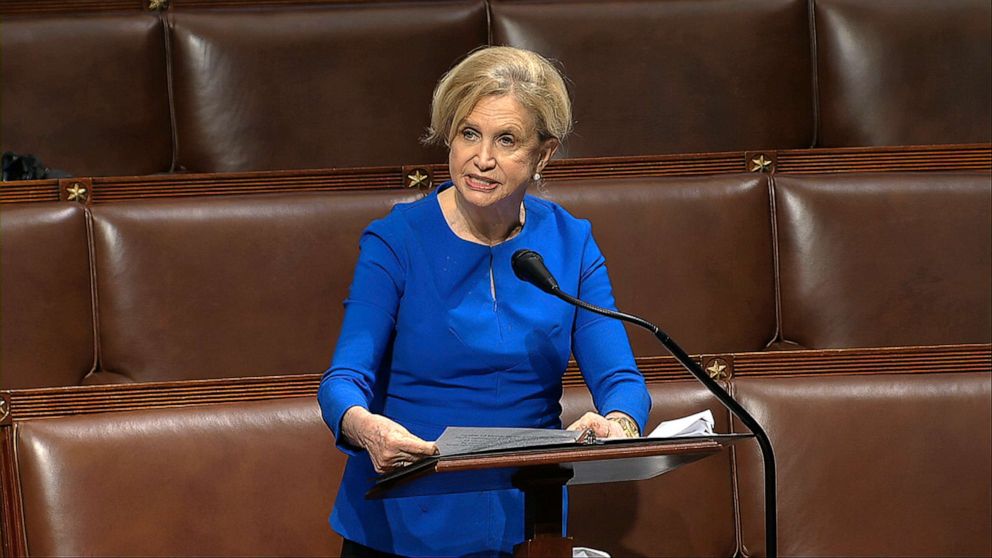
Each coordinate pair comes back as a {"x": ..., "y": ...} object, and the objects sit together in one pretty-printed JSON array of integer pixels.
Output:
[
  {"x": 528, "y": 457},
  {"x": 12, "y": 538},
  {"x": 931, "y": 359},
  {"x": 40, "y": 7},
  {"x": 29, "y": 404},
  {"x": 110, "y": 189},
  {"x": 16, "y": 7},
  {"x": 918, "y": 158}
]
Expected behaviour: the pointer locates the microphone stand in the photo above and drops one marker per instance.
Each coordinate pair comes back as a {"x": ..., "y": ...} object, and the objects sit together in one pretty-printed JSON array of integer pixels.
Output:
[{"x": 768, "y": 457}]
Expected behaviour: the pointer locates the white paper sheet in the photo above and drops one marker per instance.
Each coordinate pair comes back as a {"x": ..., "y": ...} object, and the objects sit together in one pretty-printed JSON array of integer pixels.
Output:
[
  {"x": 583, "y": 552},
  {"x": 699, "y": 424}
]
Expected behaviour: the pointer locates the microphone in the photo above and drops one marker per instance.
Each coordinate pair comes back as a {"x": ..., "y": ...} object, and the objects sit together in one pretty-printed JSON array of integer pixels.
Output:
[{"x": 529, "y": 266}]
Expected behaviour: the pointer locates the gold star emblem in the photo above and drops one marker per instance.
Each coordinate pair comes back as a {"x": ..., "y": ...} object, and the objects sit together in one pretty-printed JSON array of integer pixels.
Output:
[
  {"x": 717, "y": 368},
  {"x": 76, "y": 192},
  {"x": 157, "y": 4},
  {"x": 760, "y": 164},
  {"x": 418, "y": 179}
]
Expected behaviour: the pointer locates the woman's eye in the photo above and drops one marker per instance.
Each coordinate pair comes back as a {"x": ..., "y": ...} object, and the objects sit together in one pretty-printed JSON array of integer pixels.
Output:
[
  {"x": 506, "y": 141},
  {"x": 469, "y": 134}
]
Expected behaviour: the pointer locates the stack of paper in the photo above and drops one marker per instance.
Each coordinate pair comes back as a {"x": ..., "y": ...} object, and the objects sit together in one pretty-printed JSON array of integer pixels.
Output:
[
  {"x": 699, "y": 424},
  {"x": 457, "y": 440},
  {"x": 583, "y": 552}
]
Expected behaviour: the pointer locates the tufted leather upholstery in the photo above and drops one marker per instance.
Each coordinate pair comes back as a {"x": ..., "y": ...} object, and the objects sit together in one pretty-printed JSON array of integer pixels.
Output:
[
  {"x": 259, "y": 478},
  {"x": 226, "y": 286},
  {"x": 246, "y": 479},
  {"x": 881, "y": 465},
  {"x": 46, "y": 325},
  {"x": 343, "y": 85},
  {"x": 903, "y": 72},
  {"x": 253, "y": 285},
  {"x": 872, "y": 465},
  {"x": 645, "y": 75},
  {"x": 871, "y": 260},
  {"x": 348, "y": 84},
  {"x": 885, "y": 464},
  {"x": 87, "y": 94},
  {"x": 692, "y": 255}
]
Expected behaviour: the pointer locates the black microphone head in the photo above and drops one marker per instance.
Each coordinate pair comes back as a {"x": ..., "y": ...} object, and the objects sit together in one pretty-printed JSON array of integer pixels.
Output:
[{"x": 529, "y": 266}]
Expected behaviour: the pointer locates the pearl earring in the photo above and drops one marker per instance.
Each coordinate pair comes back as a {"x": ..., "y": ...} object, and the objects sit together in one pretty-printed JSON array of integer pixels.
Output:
[{"x": 537, "y": 176}]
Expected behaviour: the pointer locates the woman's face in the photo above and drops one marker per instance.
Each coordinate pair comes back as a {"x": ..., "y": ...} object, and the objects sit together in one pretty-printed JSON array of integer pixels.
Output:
[{"x": 495, "y": 151}]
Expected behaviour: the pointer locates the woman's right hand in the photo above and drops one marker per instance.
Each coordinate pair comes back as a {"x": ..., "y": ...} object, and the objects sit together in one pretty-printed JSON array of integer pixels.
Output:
[{"x": 389, "y": 444}]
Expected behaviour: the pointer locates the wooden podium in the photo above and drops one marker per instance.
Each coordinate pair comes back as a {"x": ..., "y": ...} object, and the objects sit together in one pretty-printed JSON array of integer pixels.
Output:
[{"x": 541, "y": 473}]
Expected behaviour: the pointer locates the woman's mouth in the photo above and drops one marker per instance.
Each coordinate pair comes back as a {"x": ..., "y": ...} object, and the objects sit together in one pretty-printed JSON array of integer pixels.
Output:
[{"x": 476, "y": 182}]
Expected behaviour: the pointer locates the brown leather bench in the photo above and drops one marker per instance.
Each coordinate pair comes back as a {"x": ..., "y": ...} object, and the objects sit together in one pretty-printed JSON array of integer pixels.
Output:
[
  {"x": 873, "y": 460},
  {"x": 259, "y": 478},
  {"x": 330, "y": 84},
  {"x": 248, "y": 286},
  {"x": 872, "y": 463}
]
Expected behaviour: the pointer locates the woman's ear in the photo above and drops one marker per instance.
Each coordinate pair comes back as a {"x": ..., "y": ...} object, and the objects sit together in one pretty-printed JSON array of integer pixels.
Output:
[{"x": 548, "y": 149}]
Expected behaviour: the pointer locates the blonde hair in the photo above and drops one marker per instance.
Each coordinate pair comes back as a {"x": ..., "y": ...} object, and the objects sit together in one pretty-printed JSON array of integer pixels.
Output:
[{"x": 494, "y": 71}]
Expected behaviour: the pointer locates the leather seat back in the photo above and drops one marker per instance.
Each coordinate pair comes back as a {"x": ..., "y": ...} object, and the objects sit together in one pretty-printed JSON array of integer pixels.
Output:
[
  {"x": 903, "y": 73},
  {"x": 674, "y": 77},
  {"x": 879, "y": 260},
  {"x": 46, "y": 326},
  {"x": 871, "y": 465},
  {"x": 87, "y": 94},
  {"x": 240, "y": 479},
  {"x": 693, "y": 255},
  {"x": 331, "y": 86},
  {"x": 227, "y": 287}
]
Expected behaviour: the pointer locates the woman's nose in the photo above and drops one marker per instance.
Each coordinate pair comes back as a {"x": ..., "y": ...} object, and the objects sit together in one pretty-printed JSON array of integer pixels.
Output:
[{"x": 484, "y": 159}]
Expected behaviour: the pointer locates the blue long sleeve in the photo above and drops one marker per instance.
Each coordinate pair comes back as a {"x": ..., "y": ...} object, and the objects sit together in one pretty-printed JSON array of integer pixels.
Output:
[
  {"x": 369, "y": 321},
  {"x": 601, "y": 347}
]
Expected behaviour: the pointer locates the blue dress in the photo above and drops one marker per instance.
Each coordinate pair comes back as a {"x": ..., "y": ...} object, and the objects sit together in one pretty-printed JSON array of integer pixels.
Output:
[{"x": 426, "y": 343}]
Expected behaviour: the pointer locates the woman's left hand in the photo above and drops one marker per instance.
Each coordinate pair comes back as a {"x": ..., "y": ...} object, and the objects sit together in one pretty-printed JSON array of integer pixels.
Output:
[{"x": 602, "y": 426}]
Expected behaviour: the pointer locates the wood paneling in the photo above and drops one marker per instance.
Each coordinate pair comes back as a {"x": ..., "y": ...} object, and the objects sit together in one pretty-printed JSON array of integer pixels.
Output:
[
  {"x": 797, "y": 161},
  {"x": 28, "y": 404},
  {"x": 14, "y": 7}
]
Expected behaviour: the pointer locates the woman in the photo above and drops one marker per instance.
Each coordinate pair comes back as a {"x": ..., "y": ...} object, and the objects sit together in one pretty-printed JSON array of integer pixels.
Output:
[{"x": 439, "y": 332}]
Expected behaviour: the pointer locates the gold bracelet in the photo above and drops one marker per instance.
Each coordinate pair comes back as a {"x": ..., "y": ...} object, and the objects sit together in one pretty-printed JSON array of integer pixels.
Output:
[{"x": 627, "y": 425}]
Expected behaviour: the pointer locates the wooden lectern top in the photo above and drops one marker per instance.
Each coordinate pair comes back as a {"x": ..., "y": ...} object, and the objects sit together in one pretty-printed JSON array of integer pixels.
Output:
[{"x": 604, "y": 461}]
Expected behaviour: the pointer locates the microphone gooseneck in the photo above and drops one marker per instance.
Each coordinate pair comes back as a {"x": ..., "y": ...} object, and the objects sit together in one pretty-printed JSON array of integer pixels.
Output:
[{"x": 529, "y": 266}]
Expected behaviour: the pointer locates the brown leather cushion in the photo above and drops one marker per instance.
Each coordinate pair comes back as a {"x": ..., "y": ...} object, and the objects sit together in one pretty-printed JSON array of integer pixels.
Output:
[
  {"x": 692, "y": 255},
  {"x": 342, "y": 85},
  {"x": 886, "y": 465},
  {"x": 248, "y": 479},
  {"x": 87, "y": 94},
  {"x": 664, "y": 77},
  {"x": 686, "y": 512},
  {"x": 46, "y": 326},
  {"x": 907, "y": 72},
  {"x": 259, "y": 478},
  {"x": 225, "y": 287},
  {"x": 885, "y": 259}
]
